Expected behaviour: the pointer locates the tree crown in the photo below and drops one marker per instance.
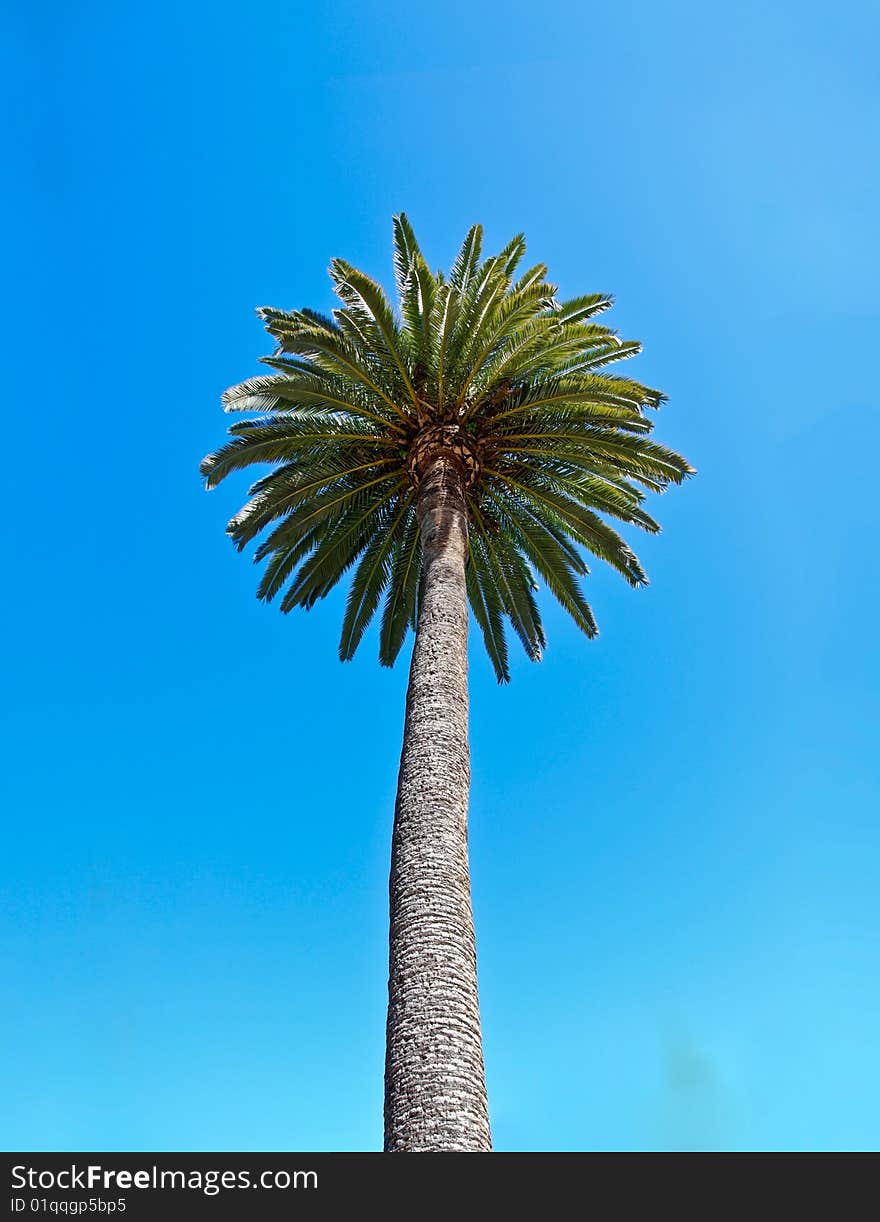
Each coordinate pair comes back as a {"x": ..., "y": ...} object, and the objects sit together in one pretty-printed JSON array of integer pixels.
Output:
[{"x": 483, "y": 365}]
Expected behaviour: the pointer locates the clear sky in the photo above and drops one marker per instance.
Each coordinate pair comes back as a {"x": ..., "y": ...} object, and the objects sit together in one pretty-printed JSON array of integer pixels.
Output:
[{"x": 675, "y": 838}]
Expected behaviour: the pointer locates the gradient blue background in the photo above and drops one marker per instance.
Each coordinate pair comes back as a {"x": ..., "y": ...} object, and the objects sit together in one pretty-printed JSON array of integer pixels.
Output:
[{"x": 674, "y": 829}]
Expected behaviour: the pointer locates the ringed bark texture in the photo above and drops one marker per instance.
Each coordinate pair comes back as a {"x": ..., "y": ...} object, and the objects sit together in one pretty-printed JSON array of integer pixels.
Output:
[{"x": 435, "y": 1088}]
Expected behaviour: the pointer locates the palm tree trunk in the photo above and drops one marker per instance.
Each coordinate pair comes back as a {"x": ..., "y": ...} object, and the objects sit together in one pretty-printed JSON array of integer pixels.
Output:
[{"x": 435, "y": 1088}]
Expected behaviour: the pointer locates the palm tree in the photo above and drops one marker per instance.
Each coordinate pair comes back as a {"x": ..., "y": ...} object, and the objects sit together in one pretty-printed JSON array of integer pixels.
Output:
[{"x": 452, "y": 453}]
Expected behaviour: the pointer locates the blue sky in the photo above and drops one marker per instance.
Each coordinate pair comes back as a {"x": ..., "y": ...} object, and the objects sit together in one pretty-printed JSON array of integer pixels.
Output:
[{"x": 674, "y": 835}]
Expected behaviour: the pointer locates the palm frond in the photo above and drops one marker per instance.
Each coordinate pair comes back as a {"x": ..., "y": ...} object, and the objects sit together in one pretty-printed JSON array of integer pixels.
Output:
[
  {"x": 488, "y": 609},
  {"x": 400, "y": 604},
  {"x": 370, "y": 579}
]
